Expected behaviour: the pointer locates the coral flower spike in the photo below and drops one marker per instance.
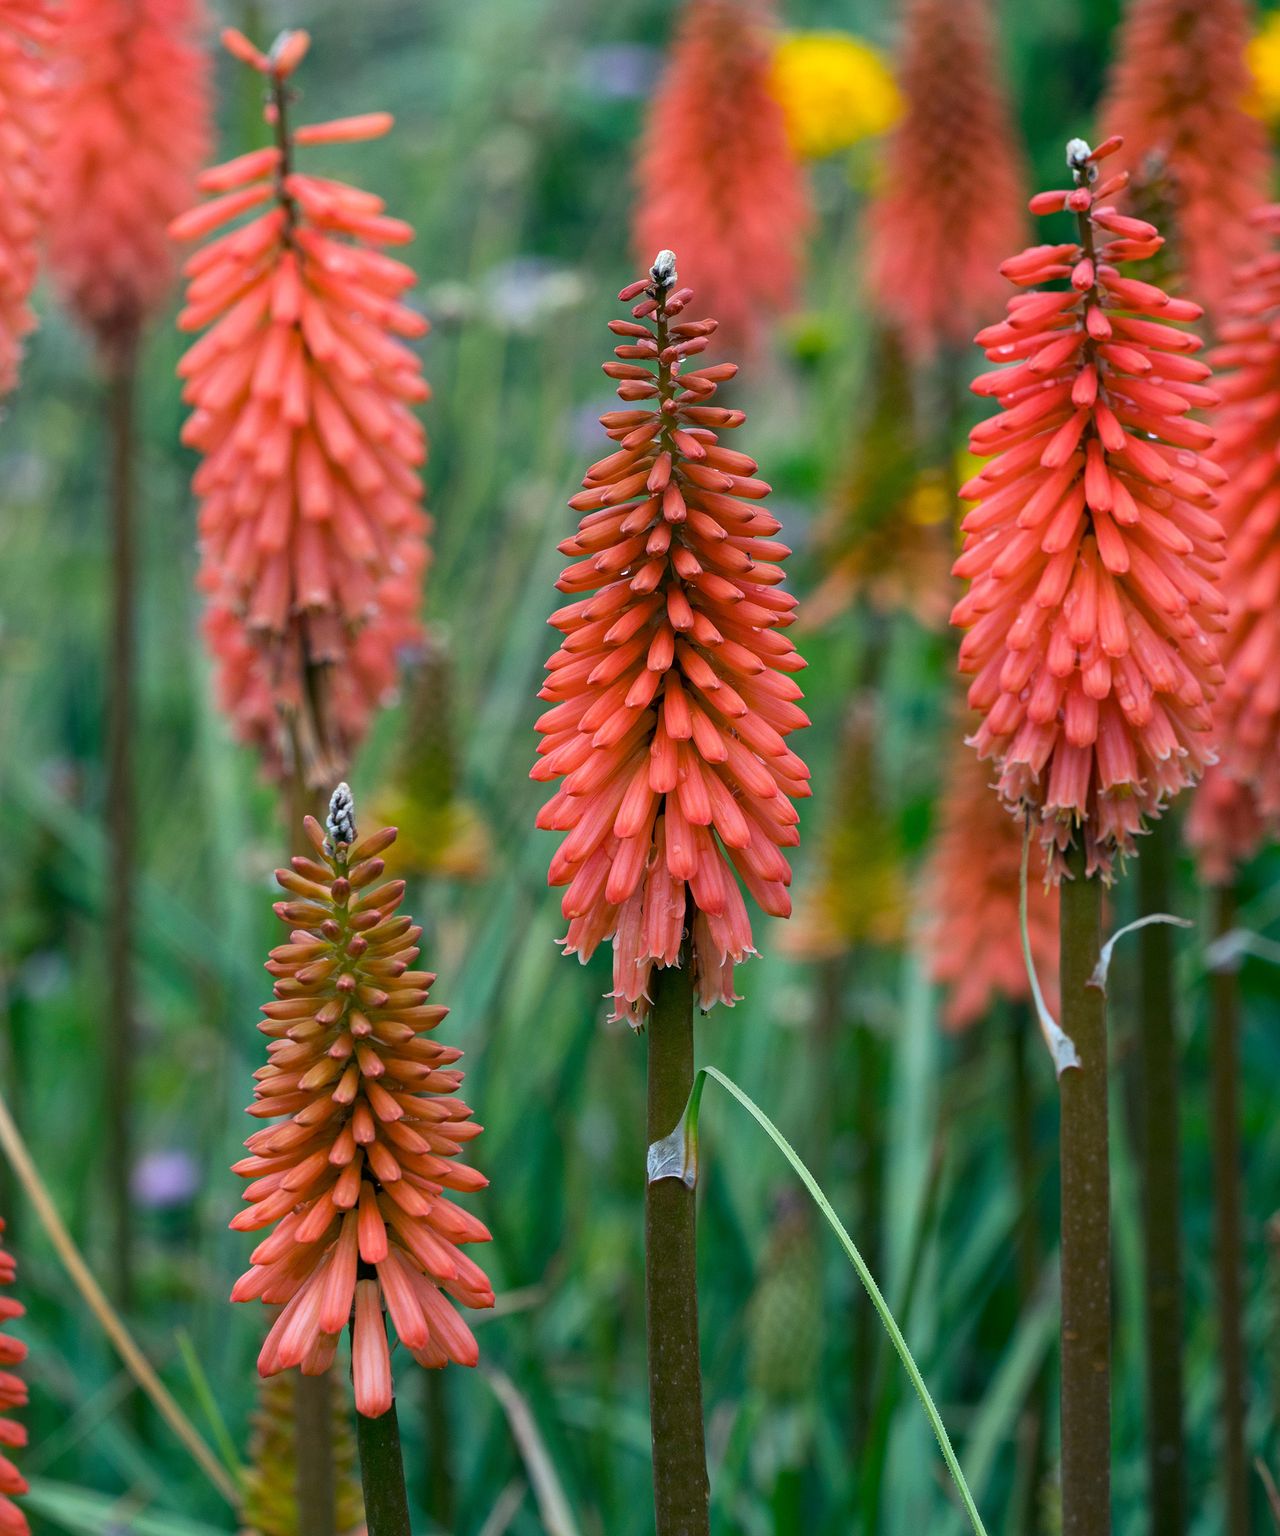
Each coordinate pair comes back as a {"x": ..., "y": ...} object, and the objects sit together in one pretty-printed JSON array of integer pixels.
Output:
[
  {"x": 1178, "y": 94},
  {"x": 13, "y": 1394},
  {"x": 717, "y": 175},
  {"x": 354, "y": 1173},
  {"x": 27, "y": 27},
  {"x": 1093, "y": 550},
  {"x": 312, "y": 531},
  {"x": 933, "y": 265},
  {"x": 133, "y": 127},
  {"x": 671, "y": 693}
]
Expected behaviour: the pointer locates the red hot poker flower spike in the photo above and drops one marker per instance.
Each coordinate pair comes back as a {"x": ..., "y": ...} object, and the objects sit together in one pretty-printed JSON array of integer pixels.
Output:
[
  {"x": 13, "y": 1394},
  {"x": 27, "y": 27},
  {"x": 313, "y": 536},
  {"x": 1223, "y": 827},
  {"x": 133, "y": 127},
  {"x": 974, "y": 882},
  {"x": 1177, "y": 92},
  {"x": 717, "y": 177},
  {"x": 1248, "y": 428},
  {"x": 1093, "y": 549},
  {"x": 353, "y": 1174},
  {"x": 932, "y": 264},
  {"x": 672, "y": 692}
]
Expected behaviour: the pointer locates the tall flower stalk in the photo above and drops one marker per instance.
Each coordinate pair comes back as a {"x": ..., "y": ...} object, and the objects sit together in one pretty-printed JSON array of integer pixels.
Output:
[
  {"x": 13, "y": 1394},
  {"x": 352, "y": 1178},
  {"x": 1092, "y": 554},
  {"x": 671, "y": 699},
  {"x": 132, "y": 112}
]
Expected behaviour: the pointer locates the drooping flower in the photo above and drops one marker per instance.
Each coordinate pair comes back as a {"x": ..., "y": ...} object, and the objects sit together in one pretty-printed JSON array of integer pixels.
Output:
[
  {"x": 132, "y": 130},
  {"x": 973, "y": 940},
  {"x": 27, "y": 28},
  {"x": 271, "y": 1478},
  {"x": 835, "y": 89},
  {"x": 671, "y": 692},
  {"x": 1223, "y": 828},
  {"x": 312, "y": 531},
  {"x": 13, "y": 1394},
  {"x": 717, "y": 178},
  {"x": 1179, "y": 88},
  {"x": 353, "y": 1175},
  {"x": 1247, "y": 376},
  {"x": 932, "y": 256},
  {"x": 1093, "y": 550}
]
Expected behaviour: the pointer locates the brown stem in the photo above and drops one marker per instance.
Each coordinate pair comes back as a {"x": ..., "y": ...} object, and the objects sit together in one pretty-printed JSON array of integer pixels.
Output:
[
  {"x": 1228, "y": 1223},
  {"x": 121, "y": 1044},
  {"x": 680, "y": 1489},
  {"x": 1086, "y": 1218},
  {"x": 1162, "y": 1205}
]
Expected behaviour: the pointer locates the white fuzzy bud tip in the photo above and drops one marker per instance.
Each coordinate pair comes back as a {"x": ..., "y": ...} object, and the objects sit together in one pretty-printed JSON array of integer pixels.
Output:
[
  {"x": 341, "y": 822},
  {"x": 663, "y": 270},
  {"x": 1082, "y": 167}
]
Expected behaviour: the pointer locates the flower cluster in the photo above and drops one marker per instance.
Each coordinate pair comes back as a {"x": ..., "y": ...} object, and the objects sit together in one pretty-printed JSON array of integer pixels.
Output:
[
  {"x": 354, "y": 1174},
  {"x": 1247, "y": 375},
  {"x": 835, "y": 89},
  {"x": 1223, "y": 827},
  {"x": 932, "y": 262},
  {"x": 1179, "y": 91},
  {"x": 26, "y": 96},
  {"x": 13, "y": 1394},
  {"x": 671, "y": 693},
  {"x": 973, "y": 886},
  {"x": 1093, "y": 549},
  {"x": 717, "y": 177},
  {"x": 312, "y": 531},
  {"x": 133, "y": 127}
]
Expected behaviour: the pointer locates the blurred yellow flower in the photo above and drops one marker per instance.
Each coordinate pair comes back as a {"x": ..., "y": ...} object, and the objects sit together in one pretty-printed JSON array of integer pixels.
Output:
[
  {"x": 835, "y": 90},
  {"x": 1264, "y": 63}
]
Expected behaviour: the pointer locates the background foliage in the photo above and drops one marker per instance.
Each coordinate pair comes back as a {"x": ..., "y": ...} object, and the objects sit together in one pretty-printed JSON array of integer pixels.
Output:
[{"x": 515, "y": 122}]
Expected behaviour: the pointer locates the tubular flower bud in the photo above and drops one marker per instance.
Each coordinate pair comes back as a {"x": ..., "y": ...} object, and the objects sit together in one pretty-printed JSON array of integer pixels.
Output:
[
  {"x": 353, "y": 1175},
  {"x": 27, "y": 27},
  {"x": 133, "y": 127},
  {"x": 672, "y": 692},
  {"x": 1093, "y": 550},
  {"x": 13, "y": 1394},
  {"x": 303, "y": 388},
  {"x": 1248, "y": 440},
  {"x": 973, "y": 885},
  {"x": 717, "y": 177},
  {"x": 1179, "y": 89},
  {"x": 932, "y": 264}
]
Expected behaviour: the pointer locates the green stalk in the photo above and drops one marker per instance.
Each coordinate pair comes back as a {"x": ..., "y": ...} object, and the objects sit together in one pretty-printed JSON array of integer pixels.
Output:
[
  {"x": 1162, "y": 1205},
  {"x": 121, "y": 1024},
  {"x": 680, "y": 1489},
  {"x": 1228, "y": 1222},
  {"x": 386, "y": 1504},
  {"x": 1086, "y": 1216}
]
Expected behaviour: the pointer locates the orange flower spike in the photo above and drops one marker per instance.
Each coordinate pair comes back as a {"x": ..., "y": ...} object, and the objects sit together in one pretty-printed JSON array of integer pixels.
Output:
[
  {"x": 133, "y": 127},
  {"x": 27, "y": 28},
  {"x": 353, "y": 1174},
  {"x": 1223, "y": 828},
  {"x": 13, "y": 1394},
  {"x": 1248, "y": 427},
  {"x": 931, "y": 264},
  {"x": 1093, "y": 550},
  {"x": 671, "y": 693},
  {"x": 304, "y": 389},
  {"x": 717, "y": 177},
  {"x": 1178, "y": 90},
  {"x": 973, "y": 941}
]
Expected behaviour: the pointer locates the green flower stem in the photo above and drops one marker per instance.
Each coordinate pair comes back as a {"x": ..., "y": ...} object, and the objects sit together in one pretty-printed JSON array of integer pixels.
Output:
[{"x": 386, "y": 1503}]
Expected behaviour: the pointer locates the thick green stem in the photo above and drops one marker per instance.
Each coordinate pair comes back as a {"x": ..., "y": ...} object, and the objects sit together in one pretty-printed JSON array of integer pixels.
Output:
[
  {"x": 1228, "y": 1224},
  {"x": 386, "y": 1504},
  {"x": 1162, "y": 1203},
  {"x": 121, "y": 1044},
  {"x": 680, "y": 1489},
  {"x": 1086, "y": 1218}
]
